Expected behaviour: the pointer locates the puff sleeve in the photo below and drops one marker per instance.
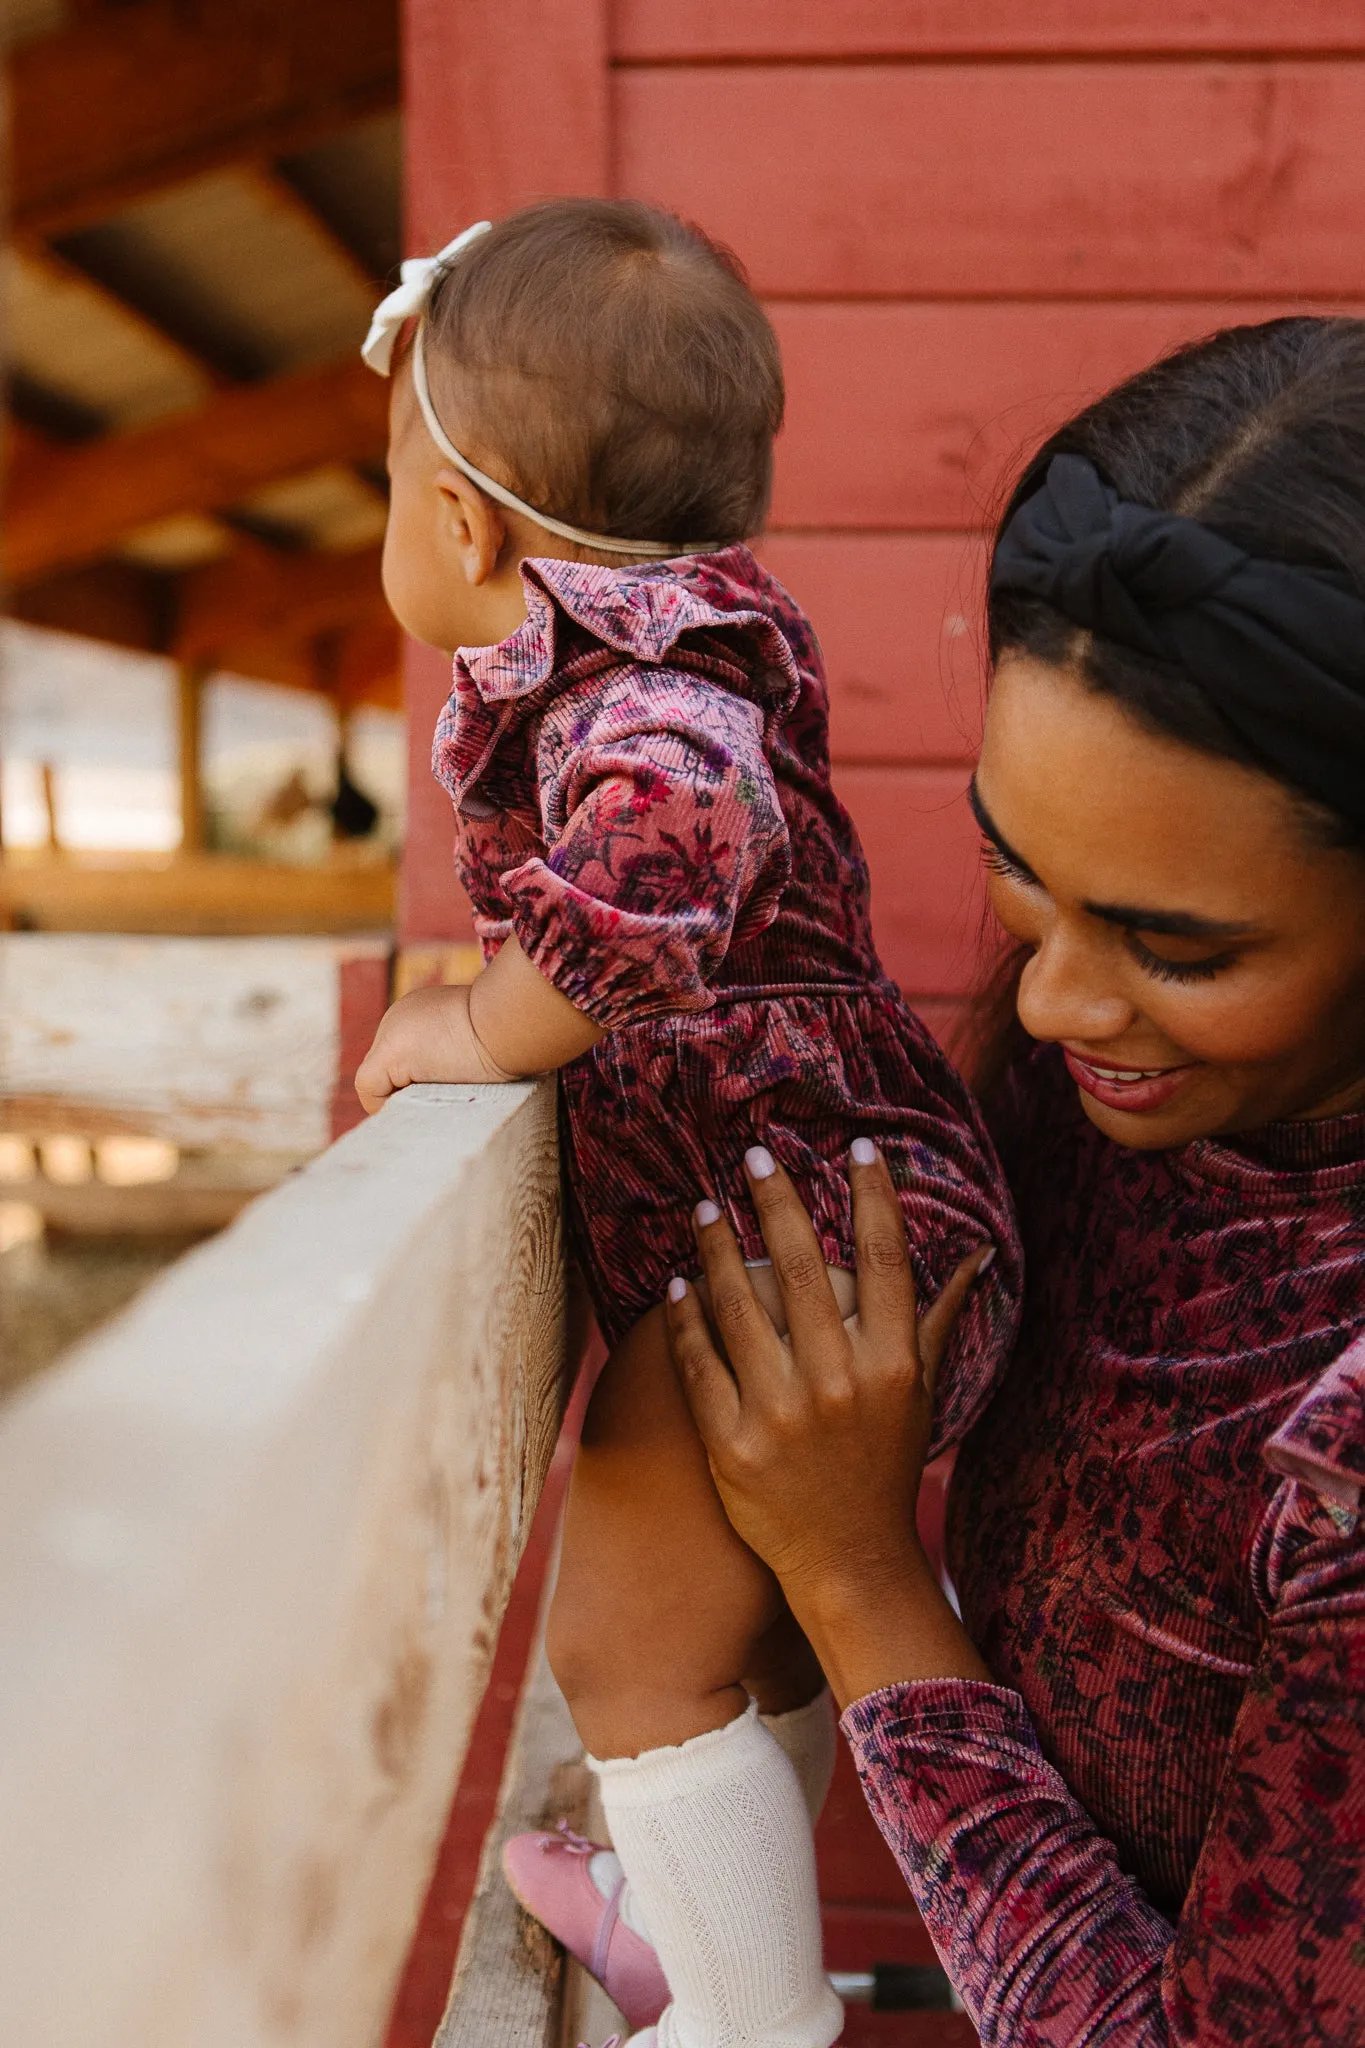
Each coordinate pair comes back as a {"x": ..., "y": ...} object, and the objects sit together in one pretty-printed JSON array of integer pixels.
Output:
[{"x": 664, "y": 841}]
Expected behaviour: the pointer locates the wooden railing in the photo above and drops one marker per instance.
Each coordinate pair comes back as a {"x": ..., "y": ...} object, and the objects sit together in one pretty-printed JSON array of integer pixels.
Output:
[{"x": 255, "y": 1539}]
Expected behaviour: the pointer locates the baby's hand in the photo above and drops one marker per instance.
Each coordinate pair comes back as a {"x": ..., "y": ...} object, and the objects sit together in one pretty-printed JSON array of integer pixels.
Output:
[{"x": 425, "y": 1036}]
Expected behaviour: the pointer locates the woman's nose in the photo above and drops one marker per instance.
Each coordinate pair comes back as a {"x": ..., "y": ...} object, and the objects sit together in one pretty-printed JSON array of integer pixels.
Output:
[{"x": 1067, "y": 992}]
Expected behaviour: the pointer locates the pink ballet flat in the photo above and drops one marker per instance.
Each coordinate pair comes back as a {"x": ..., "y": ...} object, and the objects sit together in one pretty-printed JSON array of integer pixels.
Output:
[{"x": 548, "y": 1875}]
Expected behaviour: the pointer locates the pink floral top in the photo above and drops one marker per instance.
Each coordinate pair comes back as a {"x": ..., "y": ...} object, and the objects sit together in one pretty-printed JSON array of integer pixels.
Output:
[
  {"x": 627, "y": 770},
  {"x": 642, "y": 787}
]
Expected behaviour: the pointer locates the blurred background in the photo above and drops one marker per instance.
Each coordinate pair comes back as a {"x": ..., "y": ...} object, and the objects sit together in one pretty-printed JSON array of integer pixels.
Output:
[{"x": 200, "y": 724}]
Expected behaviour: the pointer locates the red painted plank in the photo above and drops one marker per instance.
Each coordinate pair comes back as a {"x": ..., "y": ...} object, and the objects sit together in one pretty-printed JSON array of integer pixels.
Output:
[
  {"x": 425, "y": 1984},
  {"x": 923, "y": 848},
  {"x": 1055, "y": 180},
  {"x": 900, "y": 621},
  {"x": 431, "y": 903},
  {"x": 906, "y": 416},
  {"x": 363, "y": 997},
  {"x": 503, "y": 101},
  {"x": 652, "y": 30}
]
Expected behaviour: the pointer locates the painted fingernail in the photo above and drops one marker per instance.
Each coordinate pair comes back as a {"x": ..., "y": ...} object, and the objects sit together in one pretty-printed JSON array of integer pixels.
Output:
[
  {"x": 987, "y": 1259},
  {"x": 760, "y": 1162},
  {"x": 863, "y": 1152},
  {"x": 705, "y": 1214},
  {"x": 677, "y": 1288}
]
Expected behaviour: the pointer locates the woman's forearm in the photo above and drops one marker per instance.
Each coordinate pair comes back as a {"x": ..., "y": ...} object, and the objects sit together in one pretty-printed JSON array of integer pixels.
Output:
[{"x": 871, "y": 1630}]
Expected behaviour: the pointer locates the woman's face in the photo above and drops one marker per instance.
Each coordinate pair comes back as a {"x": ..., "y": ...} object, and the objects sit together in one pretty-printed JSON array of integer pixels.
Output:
[{"x": 1198, "y": 958}]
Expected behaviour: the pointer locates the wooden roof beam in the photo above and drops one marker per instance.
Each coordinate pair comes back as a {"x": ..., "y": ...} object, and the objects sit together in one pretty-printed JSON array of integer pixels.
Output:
[
  {"x": 315, "y": 621},
  {"x": 253, "y": 595},
  {"x": 72, "y": 505},
  {"x": 151, "y": 93}
]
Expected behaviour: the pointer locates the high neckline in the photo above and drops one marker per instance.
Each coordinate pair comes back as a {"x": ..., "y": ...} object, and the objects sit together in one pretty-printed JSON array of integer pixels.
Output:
[{"x": 1297, "y": 1150}]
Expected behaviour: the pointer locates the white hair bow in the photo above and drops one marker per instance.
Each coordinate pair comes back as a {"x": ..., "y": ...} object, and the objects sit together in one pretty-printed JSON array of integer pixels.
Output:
[{"x": 409, "y": 300}]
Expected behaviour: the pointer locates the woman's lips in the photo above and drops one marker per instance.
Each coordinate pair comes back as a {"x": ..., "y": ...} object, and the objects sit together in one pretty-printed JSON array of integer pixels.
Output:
[{"x": 1130, "y": 1088}]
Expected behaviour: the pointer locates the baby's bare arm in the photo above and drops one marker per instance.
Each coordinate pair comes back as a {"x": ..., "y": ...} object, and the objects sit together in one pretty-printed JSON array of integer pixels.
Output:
[{"x": 509, "y": 1022}]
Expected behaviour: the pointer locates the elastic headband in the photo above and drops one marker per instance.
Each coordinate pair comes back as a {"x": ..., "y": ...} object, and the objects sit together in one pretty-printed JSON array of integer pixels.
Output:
[
  {"x": 409, "y": 301},
  {"x": 1277, "y": 648}
]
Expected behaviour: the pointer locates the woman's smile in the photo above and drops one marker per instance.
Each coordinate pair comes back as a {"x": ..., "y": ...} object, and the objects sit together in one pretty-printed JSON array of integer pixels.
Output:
[{"x": 1135, "y": 1089}]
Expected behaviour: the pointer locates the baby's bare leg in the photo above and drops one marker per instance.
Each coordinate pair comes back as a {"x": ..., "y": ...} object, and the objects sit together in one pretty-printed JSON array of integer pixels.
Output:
[
  {"x": 659, "y": 1605},
  {"x": 659, "y": 1613}
]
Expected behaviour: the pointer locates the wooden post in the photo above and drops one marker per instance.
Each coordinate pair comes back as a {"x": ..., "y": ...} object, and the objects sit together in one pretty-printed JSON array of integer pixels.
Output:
[
  {"x": 190, "y": 704},
  {"x": 47, "y": 776}
]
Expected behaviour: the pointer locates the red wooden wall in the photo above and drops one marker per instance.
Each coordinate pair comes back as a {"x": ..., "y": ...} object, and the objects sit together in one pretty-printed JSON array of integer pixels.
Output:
[{"x": 965, "y": 216}]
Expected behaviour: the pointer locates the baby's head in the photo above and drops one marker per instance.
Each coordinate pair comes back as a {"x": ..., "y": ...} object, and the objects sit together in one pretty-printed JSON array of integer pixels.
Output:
[{"x": 607, "y": 364}]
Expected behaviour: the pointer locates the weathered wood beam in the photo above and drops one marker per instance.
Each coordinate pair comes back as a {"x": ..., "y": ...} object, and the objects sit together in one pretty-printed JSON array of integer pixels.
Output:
[
  {"x": 312, "y": 621},
  {"x": 127, "y": 101},
  {"x": 212, "y": 894},
  {"x": 72, "y": 505},
  {"x": 255, "y": 1542},
  {"x": 255, "y": 595},
  {"x": 117, "y": 601}
]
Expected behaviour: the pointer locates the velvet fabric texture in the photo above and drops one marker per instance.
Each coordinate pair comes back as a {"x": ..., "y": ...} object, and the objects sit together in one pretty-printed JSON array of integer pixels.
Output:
[
  {"x": 1151, "y": 1829},
  {"x": 642, "y": 786}
]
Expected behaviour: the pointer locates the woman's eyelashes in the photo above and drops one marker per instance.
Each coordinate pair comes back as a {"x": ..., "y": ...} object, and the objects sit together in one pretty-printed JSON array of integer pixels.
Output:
[
  {"x": 1162, "y": 969},
  {"x": 1000, "y": 864},
  {"x": 1158, "y": 965}
]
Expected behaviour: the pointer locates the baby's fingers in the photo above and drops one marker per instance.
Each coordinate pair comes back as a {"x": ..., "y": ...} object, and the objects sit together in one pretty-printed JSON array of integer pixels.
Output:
[{"x": 373, "y": 1083}]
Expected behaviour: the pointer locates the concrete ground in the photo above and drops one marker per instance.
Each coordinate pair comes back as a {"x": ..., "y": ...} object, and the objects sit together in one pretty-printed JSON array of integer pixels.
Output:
[{"x": 54, "y": 1290}]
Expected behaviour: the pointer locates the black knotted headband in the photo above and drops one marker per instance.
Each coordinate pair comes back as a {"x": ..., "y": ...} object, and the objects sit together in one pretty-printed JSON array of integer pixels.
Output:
[{"x": 1279, "y": 649}]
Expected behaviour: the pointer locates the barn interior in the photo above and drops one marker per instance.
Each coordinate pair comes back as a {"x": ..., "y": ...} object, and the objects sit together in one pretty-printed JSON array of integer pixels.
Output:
[{"x": 200, "y": 726}]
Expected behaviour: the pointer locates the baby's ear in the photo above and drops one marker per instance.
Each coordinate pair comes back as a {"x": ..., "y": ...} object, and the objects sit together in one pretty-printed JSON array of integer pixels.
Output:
[{"x": 476, "y": 526}]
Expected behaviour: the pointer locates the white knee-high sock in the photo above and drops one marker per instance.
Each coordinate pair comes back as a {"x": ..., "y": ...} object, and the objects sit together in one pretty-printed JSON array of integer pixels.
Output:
[
  {"x": 715, "y": 1840},
  {"x": 809, "y": 1737}
]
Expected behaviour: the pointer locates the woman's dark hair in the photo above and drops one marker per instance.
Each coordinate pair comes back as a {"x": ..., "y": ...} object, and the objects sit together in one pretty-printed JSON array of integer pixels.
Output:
[
  {"x": 1258, "y": 433},
  {"x": 612, "y": 363}
]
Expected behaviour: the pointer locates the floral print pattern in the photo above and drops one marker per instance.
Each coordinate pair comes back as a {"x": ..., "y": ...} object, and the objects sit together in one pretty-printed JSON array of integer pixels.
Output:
[
  {"x": 642, "y": 788},
  {"x": 1152, "y": 1828}
]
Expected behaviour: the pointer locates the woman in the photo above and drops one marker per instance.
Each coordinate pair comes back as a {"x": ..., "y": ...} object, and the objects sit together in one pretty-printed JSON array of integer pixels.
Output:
[{"x": 1128, "y": 1789}]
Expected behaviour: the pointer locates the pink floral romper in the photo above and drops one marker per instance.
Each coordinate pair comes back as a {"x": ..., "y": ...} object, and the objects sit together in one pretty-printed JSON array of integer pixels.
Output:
[{"x": 642, "y": 790}]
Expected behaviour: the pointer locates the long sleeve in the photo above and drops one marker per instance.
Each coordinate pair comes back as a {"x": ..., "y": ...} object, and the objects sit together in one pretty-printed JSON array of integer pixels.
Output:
[
  {"x": 1050, "y": 1944},
  {"x": 663, "y": 836}
]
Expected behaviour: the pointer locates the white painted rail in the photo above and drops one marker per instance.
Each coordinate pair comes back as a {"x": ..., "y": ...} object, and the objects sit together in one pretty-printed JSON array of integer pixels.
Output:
[{"x": 254, "y": 1544}]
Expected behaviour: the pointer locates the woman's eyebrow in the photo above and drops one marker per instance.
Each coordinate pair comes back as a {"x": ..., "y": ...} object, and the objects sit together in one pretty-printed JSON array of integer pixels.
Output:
[
  {"x": 991, "y": 831},
  {"x": 1167, "y": 924}
]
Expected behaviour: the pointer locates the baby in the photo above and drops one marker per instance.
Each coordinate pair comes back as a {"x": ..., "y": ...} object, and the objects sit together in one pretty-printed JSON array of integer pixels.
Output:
[{"x": 674, "y": 913}]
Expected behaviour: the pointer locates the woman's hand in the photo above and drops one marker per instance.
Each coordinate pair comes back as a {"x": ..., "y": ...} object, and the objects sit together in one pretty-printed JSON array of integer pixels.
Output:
[{"x": 817, "y": 1441}]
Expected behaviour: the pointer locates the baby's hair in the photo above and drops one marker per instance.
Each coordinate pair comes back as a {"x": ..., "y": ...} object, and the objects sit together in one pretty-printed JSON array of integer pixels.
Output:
[{"x": 611, "y": 364}]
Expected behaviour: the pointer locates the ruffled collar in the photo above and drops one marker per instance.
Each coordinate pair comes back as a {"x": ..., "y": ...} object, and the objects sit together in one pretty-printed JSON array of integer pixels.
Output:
[
  {"x": 711, "y": 613},
  {"x": 642, "y": 612}
]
